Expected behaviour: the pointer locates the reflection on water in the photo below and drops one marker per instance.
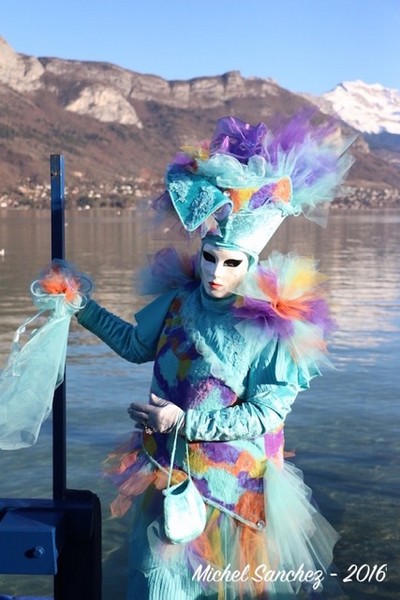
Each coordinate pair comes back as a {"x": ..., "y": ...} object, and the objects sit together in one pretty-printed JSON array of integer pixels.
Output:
[{"x": 344, "y": 430}]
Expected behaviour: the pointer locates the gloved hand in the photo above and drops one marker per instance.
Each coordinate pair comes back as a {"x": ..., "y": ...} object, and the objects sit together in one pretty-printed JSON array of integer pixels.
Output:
[{"x": 159, "y": 416}]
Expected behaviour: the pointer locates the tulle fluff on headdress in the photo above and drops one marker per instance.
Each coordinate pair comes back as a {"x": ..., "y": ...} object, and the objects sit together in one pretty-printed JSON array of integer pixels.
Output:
[
  {"x": 315, "y": 157},
  {"x": 290, "y": 167}
]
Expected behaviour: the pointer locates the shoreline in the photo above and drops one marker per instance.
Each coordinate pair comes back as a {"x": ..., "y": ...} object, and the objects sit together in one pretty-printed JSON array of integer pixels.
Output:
[
  {"x": 334, "y": 208},
  {"x": 352, "y": 198}
]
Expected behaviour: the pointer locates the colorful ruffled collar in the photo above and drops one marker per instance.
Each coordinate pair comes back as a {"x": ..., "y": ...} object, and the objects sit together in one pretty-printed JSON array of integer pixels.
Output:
[{"x": 284, "y": 297}]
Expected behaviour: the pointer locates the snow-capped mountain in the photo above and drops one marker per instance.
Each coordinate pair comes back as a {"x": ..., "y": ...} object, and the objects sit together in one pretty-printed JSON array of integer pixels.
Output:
[{"x": 370, "y": 108}]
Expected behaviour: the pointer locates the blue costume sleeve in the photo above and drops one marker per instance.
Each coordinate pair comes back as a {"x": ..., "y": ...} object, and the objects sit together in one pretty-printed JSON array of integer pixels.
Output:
[
  {"x": 135, "y": 343},
  {"x": 263, "y": 409}
]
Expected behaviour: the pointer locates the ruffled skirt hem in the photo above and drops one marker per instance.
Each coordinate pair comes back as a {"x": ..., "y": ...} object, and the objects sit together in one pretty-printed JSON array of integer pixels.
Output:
[{"x": 230, "y": 560}]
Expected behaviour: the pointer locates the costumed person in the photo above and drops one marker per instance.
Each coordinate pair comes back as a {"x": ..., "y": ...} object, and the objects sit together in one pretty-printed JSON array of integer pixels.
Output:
[{"x": 233, "y": 342}]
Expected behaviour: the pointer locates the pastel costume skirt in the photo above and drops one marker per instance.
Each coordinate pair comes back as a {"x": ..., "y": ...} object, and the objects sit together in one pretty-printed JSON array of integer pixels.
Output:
[{"x": 229, "y": 560}]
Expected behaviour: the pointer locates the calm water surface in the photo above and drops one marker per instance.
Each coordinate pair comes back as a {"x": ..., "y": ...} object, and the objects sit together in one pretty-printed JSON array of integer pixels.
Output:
[{"x": 345, "y": 430}]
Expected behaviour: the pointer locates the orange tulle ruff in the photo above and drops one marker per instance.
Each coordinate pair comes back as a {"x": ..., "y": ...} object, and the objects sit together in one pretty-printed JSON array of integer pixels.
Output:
[{"x": 56, "y": 282}]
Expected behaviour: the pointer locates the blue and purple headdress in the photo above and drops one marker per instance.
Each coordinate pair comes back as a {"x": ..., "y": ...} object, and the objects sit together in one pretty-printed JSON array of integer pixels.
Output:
[{"x": 238, "y": 188}]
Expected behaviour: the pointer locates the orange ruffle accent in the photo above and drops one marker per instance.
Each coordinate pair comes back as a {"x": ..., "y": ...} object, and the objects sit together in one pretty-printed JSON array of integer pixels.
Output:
[
  {"x": 240, "y": 197},
  {"x": 283, "y": 190},
  {"x": 287, "y": 299},
  {"x": 135, "y": 485},
  {"x": 55, "y": 282},
  {"x": 250, "y": 504},
  {"x": 251, "y": 553},
  {"x": 138, "y": 483}
]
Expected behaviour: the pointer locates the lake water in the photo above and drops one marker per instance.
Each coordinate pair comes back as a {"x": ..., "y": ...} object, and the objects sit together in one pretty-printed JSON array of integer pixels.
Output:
[{"x": 345, "y": 430}]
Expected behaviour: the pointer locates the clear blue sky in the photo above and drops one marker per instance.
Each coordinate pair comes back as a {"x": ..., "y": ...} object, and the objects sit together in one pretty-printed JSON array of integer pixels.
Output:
[{"x": 305, "y": 45}]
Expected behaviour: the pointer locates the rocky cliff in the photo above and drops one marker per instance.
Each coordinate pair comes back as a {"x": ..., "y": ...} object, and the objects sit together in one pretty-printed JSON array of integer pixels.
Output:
[{"x": 117, "y": 129}]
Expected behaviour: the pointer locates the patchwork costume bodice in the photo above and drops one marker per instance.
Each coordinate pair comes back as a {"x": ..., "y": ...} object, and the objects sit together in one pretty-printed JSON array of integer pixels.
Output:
[{"x": 234, "y": 405}]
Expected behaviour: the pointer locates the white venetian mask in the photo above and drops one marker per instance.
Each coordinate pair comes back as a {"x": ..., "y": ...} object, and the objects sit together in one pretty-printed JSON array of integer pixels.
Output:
[{"x": 222, "y": 270}]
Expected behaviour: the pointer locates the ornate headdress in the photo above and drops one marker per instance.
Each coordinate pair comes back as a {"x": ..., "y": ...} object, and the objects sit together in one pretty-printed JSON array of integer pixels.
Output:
[
  {"x": 238, "y": 188},
  {"x": 235, "y": 191}
]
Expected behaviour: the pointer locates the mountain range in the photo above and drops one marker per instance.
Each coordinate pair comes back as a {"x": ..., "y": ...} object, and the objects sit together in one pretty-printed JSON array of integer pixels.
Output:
[{"x": 118, "y": 129}]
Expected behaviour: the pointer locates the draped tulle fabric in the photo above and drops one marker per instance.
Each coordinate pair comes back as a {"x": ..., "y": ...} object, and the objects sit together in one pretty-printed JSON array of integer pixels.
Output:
[{"x": 36, "y": 367}]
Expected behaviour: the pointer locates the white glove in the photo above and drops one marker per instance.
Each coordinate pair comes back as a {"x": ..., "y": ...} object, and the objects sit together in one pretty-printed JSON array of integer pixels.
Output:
[{"x": 159, "y": 416}]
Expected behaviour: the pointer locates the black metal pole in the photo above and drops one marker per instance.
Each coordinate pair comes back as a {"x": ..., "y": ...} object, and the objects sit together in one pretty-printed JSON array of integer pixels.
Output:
[
  {"x": 59, "y": 400},
  {"x": 79, "y": 564}
]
